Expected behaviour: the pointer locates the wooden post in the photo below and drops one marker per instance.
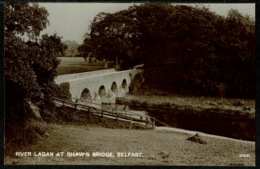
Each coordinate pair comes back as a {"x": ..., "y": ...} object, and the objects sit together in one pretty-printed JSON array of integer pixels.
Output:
[
  {"x": 89, "y": 113},
  {"x": 153, "y": 122},
  {"x": 146, "y": 121},
  {"x": 131, "y": 122},
  {"x": 102, "y": 113}
]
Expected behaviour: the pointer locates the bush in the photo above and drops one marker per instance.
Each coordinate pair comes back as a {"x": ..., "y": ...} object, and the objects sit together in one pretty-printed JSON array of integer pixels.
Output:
[
  {"x": 64, "y": 91},
  {"x": 19, "y": 134}
]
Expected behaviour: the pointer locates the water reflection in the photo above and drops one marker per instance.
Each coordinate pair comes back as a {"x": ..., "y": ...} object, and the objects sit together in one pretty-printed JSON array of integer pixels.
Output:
[{"x": 208, "y": 122}]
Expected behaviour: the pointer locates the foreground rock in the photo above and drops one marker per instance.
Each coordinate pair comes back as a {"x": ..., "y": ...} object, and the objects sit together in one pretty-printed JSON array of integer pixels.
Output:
[{"x": 197, "y": 139}]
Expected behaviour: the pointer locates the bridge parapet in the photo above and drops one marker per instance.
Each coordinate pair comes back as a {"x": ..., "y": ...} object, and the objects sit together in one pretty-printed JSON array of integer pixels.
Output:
[{"x": 63, "y": 78}]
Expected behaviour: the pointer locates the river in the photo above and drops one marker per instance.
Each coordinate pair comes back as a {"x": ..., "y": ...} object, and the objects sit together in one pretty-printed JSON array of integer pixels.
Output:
[{"x": 210, "y": 122}]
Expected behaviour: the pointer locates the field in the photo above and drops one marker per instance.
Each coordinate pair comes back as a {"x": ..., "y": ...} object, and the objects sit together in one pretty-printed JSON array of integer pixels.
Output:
[{"x": 71, "y": 65}]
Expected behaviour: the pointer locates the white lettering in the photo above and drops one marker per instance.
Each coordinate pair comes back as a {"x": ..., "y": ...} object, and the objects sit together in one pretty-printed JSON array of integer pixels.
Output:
[
  {"x": 244, "y": 155},
  {"x": 102, "y": 154},
  {"x": 129, "y": 154},
  {"x": 59, "y": 154},
  {"x": 43, "y": 154},
  {"x": 23, "y": 154},
  {"x": 78, "y": 154}
]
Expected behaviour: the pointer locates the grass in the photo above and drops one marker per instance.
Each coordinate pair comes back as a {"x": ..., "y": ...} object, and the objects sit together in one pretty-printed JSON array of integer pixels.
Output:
[
  {"x": 74, "y": 131},
  {"x": 22, "y": 134},
  {"x": 71, "y": 65},
  {"x": 66, "y": 115},
  {"x": 157, "y": 148},
  {"x": 79, "y": 61},
  {"x": 196, "y": 103},
  {"x": 63, "y": 70}
]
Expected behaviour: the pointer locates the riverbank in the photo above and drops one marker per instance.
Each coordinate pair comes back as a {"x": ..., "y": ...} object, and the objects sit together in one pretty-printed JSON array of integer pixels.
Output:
[
  {"x": 146, "y": 147},
  {"x": 184, "y": 102}
]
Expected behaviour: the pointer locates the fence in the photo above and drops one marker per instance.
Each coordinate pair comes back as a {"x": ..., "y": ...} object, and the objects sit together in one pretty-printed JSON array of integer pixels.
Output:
[{"x": 106, "y": 111}]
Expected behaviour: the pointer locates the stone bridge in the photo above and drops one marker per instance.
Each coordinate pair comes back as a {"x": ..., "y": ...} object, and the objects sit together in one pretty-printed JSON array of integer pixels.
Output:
[{"x": 98, "y": 86}]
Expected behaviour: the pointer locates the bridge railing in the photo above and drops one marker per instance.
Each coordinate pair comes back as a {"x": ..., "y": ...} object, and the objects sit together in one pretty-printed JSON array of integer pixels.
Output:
[{"x": 106, "y": 110}]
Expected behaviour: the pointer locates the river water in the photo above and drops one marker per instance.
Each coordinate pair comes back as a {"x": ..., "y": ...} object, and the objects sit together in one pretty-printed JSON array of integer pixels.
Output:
[{"x": 209, "y": 122}]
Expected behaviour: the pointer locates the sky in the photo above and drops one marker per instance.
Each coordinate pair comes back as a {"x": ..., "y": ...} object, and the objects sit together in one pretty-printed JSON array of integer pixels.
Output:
[{"x": 71, "y": 20}]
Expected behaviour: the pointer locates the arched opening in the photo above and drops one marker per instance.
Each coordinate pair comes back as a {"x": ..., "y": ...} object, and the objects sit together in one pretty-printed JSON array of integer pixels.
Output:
[
  {"x": 86, "y": 96},
  {"x": 114, "y": 88},
  {"x": 102, "y": 92},
  {"x": 124, "y": 85}
]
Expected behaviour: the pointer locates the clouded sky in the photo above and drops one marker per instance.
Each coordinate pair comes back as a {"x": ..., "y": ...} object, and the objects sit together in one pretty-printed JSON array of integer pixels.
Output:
[{"x": 71, "y": 20}]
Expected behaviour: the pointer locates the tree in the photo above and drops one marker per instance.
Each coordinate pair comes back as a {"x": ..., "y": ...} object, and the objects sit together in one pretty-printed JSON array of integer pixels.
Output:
[
  {"x": 111, "y": 36},
  {"x": 30, "y": 60},
  {"x": 72, "y": 48},
  {"x": 240, "y": 56},
  {"x": 87, "y": 49},
  {"x": 190, "y": 48}
]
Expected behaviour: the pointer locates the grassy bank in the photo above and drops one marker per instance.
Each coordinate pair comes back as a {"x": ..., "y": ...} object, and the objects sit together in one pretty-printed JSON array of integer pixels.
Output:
[
  {"x": 240, "y": 106},
  {"x": 33, "y": 131},
  {"x": 155, "y": 147},
  {"x": 72, "y": 131},
  {"x": 66, "y": 115}
]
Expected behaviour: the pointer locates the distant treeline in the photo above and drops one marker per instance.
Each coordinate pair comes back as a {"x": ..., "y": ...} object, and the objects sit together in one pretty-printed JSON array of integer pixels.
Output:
[
  {"x": 184, "y": 48},
  {"x": 72, "y": 49}
]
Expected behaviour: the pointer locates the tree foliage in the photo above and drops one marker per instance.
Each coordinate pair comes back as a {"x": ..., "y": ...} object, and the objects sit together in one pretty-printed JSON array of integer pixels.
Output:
[
  {"x": 113, "y": 35},
  {"x": 195, "y": 49},
  {"x": 72, "y": 48},
  {"x": 30, "y": 60}
]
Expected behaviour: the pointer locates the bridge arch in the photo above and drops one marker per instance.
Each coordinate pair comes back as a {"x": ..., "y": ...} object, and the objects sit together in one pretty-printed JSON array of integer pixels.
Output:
[
  {"x": 114, "y": 88},
  {"x": 86, "y": 95},
  {"x": 102, "y": 92},
  {"x": 101, "y": 83},
  {"x": 124, "y": 85}
]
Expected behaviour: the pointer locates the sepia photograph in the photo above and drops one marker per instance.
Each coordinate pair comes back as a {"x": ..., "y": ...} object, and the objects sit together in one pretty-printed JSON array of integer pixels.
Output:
[{"x": 130, "y": 84}]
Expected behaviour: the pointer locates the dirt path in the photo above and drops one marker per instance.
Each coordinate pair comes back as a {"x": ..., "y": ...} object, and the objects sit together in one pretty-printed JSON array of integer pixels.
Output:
[{"x": 148, "y": 147}]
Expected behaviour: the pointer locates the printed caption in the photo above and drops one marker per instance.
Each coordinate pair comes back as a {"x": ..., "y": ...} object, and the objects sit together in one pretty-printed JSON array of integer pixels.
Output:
[{"x": 81, "y": 154}]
